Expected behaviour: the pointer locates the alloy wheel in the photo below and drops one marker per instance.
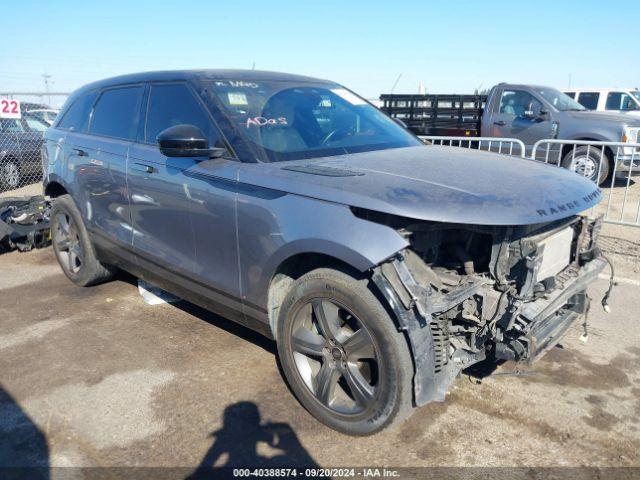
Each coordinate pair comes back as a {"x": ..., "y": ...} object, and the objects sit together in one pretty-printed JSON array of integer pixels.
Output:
[
  {"x": 585, "y": 166},
  {"x": 11, "y": 174},
  {"x": 67, "y": 240},
  {"x": 335, "y": 356}
]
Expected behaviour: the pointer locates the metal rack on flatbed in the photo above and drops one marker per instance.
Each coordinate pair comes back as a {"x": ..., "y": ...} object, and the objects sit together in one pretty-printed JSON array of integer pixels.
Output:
[{"x": 451, "y": 115}]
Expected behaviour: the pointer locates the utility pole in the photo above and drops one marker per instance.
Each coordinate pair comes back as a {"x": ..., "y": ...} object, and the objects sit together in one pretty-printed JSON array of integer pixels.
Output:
[
  {"x": 569, "y": 86},
  {"x": 47, "y": 77}
]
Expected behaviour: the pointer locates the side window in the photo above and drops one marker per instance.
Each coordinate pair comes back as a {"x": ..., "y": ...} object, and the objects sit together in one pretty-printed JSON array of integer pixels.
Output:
[
  {"x": 116, "y": 113},
  {"x": 517, "y": 102},
  {"x": 589, "y": 100},
  {"x": 77, "y": 116},
  {"x": 174, "y": 104},
  {"x": 571, "y": 94},
  {"x": 619, "y": 101}
]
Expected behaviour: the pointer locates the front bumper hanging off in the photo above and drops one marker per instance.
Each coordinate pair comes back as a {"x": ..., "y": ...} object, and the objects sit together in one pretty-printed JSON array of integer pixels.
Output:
[
  {"x": 546, "y": 319},
  {"x": 537, "y": 326}
]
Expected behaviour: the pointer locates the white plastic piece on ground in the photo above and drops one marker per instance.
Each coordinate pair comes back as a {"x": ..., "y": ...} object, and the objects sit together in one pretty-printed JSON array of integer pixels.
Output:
[{"x": 153, "y": 295}]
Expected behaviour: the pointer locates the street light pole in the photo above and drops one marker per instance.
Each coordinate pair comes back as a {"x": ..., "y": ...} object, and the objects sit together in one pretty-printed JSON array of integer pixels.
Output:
[{"x": 46, "y": 77}]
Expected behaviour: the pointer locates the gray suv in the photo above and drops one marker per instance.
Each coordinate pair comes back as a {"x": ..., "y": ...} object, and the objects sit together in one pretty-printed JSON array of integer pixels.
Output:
[{"x": 382, "y": 267}]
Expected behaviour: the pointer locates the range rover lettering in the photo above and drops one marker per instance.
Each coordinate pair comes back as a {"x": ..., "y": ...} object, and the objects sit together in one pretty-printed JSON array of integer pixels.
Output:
[{"x": 381, "y": 266}]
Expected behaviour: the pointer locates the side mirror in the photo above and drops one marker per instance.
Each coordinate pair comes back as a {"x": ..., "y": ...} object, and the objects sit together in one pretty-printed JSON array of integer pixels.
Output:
[{"x": 186, "y": 141}]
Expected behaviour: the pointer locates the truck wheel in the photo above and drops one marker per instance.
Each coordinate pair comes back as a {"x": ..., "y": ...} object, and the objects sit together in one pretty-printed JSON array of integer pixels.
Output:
[
  {"x": 342, "y": 355},
  {"x": 10, "y": 174},
  {"x": 72, "y": 245},
  {"x": 586, "y": 162}
]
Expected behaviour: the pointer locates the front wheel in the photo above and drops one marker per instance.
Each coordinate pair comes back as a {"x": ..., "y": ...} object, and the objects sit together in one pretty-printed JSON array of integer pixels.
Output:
[
  {"x": 586, "y": 161},
  {"x": 342, "y": 354}
]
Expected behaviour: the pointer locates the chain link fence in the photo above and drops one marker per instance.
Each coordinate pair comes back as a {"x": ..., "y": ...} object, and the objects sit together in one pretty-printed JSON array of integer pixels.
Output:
[{"x": 24, "y": 117}]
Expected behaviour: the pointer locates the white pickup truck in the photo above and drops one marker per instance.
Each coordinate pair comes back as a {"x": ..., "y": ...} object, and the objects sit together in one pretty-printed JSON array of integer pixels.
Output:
[{"x": 626, "y": 100}]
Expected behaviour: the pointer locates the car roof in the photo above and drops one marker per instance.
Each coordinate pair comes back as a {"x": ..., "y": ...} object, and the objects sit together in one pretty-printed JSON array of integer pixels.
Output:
[
  {"x": 597, "y": 89},
  {"x": 212, "y": 74},
  {"x": 522, "y": 85}
]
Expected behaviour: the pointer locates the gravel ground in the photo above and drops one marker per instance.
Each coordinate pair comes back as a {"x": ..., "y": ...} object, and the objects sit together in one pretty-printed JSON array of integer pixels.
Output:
[{"x": 95, "y": 377}]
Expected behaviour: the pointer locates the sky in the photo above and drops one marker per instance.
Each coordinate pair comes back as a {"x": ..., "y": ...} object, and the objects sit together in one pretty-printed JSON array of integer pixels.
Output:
[{"x": 448, "y": 47}]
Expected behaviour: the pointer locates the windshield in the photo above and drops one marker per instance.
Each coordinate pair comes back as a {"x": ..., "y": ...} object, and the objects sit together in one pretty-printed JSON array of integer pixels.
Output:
[
  {"x": 559, "y": 100},
  {"x": 636, "y": 93},
  {"x": 295, "y": 120}
]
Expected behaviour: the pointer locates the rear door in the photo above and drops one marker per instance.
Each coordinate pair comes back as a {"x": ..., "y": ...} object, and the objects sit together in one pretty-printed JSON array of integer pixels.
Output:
[
  {"x": 103, "y": 153},
  {"x": 66, "y": 140}
]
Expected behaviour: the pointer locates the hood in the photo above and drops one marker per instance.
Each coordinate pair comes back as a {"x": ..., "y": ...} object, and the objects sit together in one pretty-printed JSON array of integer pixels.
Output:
[
  {"x": 609, "y": 116},
  {"x": 442, "y": 184}
]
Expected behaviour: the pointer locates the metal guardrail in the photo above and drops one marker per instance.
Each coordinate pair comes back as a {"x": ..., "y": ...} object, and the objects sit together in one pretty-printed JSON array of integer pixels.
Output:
[
  {"x": 622, "y": 204},
  {"x": 592, "y": 158},
  {"x": 480, "y": 143}
]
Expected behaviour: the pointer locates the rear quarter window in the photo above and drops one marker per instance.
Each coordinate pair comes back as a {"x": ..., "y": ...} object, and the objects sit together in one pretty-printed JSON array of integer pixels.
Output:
[
  {"x": 116, "y": 113},
  {"x": 77, "y": 116}
]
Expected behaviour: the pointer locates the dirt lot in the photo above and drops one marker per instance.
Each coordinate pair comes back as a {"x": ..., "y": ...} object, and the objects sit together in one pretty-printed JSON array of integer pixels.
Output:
[{"x": 95, "y": 377}]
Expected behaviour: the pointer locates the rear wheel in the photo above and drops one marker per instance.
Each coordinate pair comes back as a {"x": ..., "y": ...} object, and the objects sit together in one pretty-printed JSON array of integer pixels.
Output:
[
  {"x": 72, "y": 245},
  {"x": 10, "y": 174},
  {"x": 586, "y": 162},
  {"x": 342, "y": 355}
]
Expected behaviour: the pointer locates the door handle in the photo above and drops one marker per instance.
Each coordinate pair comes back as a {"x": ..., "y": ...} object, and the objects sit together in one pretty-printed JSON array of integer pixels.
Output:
[
  {"x": 80, "y": 152},
  {"x": 500, "y": 123},
  {"x": 141, "y": 167}
]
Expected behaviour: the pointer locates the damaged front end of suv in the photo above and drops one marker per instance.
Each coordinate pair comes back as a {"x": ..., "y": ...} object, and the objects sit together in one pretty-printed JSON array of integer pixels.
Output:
[{"x": 464, "y": 292}]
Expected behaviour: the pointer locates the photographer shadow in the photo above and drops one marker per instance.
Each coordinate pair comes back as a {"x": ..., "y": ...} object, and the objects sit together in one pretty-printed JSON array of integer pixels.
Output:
[
  {"x": 24, "y": 452},
  {"x": 236, "y": 444}
]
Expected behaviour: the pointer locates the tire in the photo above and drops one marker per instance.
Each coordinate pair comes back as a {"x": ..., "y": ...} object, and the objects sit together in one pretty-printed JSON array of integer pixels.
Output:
[
  {"x": 364, "y": 359},
  {"x": 10, "y": 174},
  {"x": 73, "y": 247},
  {"x": 586, "y": 162}
]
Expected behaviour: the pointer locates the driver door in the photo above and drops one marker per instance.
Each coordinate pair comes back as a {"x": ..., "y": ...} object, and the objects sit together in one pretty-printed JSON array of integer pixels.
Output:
[
  {"x": 519, "y": 116},
  {"x": 182, "y": 208}
]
